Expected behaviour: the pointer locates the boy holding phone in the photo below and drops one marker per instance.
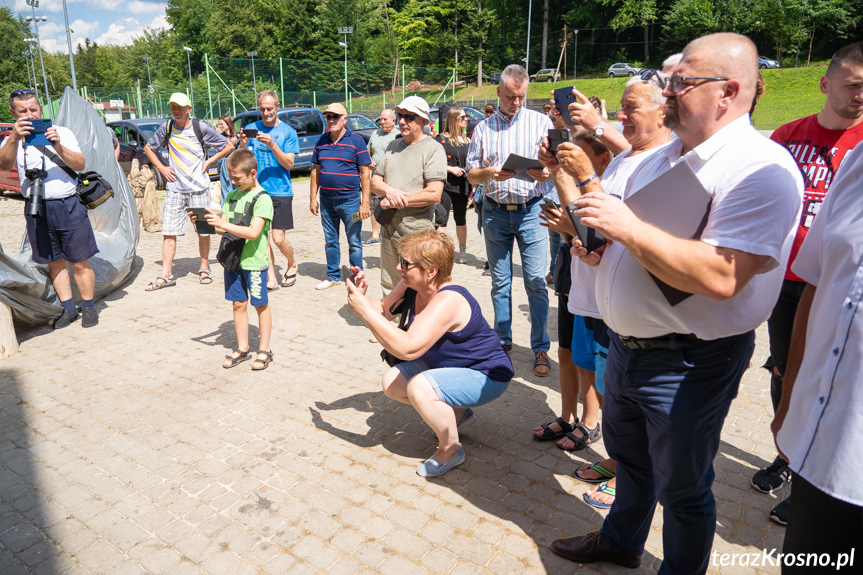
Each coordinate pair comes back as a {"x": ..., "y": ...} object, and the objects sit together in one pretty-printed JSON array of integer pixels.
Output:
[{"x": 249, "y": 283}]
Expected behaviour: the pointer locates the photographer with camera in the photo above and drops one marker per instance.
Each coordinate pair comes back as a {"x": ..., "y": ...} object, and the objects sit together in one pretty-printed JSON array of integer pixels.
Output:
[{"x": 58, "y": 227}]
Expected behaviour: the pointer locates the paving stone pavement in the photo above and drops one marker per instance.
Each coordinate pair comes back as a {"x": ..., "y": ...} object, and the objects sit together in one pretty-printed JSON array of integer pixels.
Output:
[{"x": 128, "y": 449}]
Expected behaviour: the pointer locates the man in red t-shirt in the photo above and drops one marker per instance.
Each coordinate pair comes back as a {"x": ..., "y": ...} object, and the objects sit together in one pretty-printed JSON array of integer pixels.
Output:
[{"x": 819, "y": 144}]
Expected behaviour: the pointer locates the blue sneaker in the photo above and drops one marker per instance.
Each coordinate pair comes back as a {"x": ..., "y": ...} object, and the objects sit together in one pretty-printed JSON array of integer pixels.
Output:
[
  {"x": 371, "y": 241},
  {"x": 431, "y": 467}
]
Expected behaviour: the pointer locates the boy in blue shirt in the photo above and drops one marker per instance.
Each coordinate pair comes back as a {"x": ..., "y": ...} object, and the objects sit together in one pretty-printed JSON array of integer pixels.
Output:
[{"x": 249, "y": 282}]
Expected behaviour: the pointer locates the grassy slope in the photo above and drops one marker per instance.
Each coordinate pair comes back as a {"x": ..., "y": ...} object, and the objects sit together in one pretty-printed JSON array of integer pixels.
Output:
[{"x": 791, "y": 93}]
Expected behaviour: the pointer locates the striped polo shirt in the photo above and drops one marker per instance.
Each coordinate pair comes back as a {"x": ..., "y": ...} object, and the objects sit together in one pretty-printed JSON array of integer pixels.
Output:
[
  {"x": 499, "y": 136},
  {"x": 340, "y": 162}
]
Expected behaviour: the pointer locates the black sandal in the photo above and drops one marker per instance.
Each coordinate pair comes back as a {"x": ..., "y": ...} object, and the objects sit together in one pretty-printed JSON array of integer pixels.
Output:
[
  {"x": 548, "y": 434},
  {"x": 590, "y": 435},
  {"x": 237, "y": 359},
  {"x": 268, "y": 357}
]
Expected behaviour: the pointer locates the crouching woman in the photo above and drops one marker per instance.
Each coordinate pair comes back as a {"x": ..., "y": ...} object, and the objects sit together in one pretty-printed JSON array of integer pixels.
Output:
[{"x": 451, "y": 358}]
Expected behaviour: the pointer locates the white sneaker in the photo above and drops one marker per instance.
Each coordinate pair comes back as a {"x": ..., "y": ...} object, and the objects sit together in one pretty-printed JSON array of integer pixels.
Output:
[{"x": 327, "y": 284}]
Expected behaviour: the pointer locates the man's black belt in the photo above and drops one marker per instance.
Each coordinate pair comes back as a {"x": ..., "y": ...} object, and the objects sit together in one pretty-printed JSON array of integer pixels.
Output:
[
  {"x": 670, "y": 341},
  {"x": 511, "y": 207}
]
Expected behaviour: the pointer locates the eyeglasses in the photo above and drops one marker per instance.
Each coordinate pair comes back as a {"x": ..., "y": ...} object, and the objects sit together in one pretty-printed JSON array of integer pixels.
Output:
[
  {"x": 406, "y": 264},
  {"x": 24, "y": 92},
  {"x": 649, "y": 73},
  {"x": 332, "y": 117},
  {"x": 677, "y": 83},
  {"x": 408, "y": 117}
]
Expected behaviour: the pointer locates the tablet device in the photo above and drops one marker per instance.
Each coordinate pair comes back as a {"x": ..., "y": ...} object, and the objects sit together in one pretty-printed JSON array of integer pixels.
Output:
[
  {"x": 37, "y": 136},
  {"x": 201, "y": 226},
  {"x": 563, "y": 97}
]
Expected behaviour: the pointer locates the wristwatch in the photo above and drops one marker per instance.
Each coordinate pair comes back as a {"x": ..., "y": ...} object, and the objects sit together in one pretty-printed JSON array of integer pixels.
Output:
[{"x": 599, "y": 129}]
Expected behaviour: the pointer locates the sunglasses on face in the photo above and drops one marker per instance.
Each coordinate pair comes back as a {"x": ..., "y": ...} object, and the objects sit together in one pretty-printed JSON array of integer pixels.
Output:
[
  {"x": 406, "y": 264},
  {"x": 462, "y": 117},
  {"x": 24, "y": 92},
  {"x": 407, "y": 117},
  {"x": 332, "y": 117},
  {"x": 678, "y": 83}
]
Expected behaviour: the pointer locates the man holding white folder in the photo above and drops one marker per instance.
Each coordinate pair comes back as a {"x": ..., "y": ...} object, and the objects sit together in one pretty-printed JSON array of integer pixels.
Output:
[{"x": 673, "y": 369}]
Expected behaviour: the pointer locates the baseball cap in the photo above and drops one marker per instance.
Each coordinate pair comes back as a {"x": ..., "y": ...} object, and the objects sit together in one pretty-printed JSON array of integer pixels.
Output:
[
  {"x": 180, "y": 99},
  {"x": 336, "y": 108},
  {"x": 489, "y": 108},
  {"x": 415, "y": 105}
]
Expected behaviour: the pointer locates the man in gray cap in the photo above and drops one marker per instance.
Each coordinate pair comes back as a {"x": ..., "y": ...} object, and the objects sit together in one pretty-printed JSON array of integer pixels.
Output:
[{"x": 409, "y": 177}]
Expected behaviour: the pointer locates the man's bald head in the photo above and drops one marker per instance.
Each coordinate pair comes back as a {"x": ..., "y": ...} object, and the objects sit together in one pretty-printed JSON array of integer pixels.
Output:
[{"x": 728, "y": 55}]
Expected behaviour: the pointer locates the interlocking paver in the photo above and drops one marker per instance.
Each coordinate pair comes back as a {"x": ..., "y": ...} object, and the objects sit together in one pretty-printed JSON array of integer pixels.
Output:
[{"x": 148, "y": 457}]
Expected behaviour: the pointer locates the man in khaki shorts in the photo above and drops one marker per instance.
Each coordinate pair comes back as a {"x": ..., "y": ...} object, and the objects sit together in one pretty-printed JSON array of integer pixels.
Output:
[
  {"x": 187, "y": 182},
  {"x": 410, "y": 179}
]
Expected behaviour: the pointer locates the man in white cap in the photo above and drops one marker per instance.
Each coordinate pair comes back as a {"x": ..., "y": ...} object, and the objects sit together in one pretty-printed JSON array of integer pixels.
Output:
[
  {"x": 187, "y": 182},
  {"x": 410, "y": 179}
]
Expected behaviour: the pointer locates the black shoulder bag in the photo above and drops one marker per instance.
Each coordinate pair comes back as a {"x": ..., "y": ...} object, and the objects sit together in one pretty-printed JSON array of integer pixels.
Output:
[
  {"x": 93, "y": 190},
  {"x": 402, "y": 306},
  {"x": 231, "y": 248}
]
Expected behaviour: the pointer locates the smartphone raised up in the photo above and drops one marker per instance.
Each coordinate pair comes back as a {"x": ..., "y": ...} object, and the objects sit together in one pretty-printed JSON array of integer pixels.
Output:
[
  {"x": 347, "y": 274},
  {"x": 555, "y": 137},
  {"x": 590, "y": 238},
  {"x": 37, "y": 136},
  {"x": 563, "y": 97},
  {"x": 250, "y": 132}
]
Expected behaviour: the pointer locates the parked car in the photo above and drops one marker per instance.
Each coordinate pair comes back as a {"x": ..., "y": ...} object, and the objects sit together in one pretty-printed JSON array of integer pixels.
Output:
[
  {"x": 494, "y": 78},
  {"x": 8, "y": 178},
  {"x": 361, "y": 125},
  {"x": 764, "y": 62},
  {"x": 622, "y": 69},
  {"x": 308, "y": 122},
  {"x": 545, "y": 75},
  {"x": 133, "y": 136}
]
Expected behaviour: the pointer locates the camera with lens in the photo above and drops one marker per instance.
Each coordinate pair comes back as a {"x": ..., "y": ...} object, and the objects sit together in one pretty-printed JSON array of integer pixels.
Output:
[{"x": 36, "y": 208}]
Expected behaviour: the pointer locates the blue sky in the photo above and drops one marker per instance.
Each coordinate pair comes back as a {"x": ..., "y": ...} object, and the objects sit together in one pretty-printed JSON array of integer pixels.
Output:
[{"x": 103, "y": 21}]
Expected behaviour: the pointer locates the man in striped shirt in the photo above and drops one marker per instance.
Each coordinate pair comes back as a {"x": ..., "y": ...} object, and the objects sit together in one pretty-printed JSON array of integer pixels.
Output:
[
  {"x": 511, "y": 209},
  {"x": 341, "y": 171}
]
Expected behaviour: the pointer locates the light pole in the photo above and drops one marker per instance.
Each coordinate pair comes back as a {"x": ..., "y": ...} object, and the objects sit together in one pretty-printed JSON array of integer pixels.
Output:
[
  {"x": 345, "y": 32},
  {"x": 802, "y": 16},
  {"x": 254, "y": 80},
  {"x": 149, "y": 83},
  {"x": 191, "y": 90},
  {"x": 35, "y": 4},
  {"x": 575, "y": 55},
  {"x": 527, "y": 55},
  {"x": 27, "y": 54},
  {"x": 69, "y": 43}
]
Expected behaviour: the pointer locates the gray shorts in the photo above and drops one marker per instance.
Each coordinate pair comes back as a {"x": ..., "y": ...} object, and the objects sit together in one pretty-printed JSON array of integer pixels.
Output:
[{"x": 174, "y": 216}]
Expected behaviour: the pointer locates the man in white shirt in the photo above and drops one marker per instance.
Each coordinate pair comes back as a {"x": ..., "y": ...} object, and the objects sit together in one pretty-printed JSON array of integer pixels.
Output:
[
  {"x": 819, "y": 421},
  {"x": 62, "y": 232},
  {"x": 673, "y": 370}
]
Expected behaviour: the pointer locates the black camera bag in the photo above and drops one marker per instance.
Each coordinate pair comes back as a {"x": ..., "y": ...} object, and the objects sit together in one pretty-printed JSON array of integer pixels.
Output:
[{"x": 93, "y": 190}]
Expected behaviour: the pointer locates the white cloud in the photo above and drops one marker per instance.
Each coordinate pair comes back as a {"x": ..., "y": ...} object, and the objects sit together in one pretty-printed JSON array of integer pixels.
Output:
[{"x": 133, "y": 7}]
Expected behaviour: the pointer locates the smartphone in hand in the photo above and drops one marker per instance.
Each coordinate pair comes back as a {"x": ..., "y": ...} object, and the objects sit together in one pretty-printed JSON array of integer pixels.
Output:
[
  {"x": 563, "y": 97},
  {"x": 250, "y": 133},
  {"x": 590, "y": 238},
  {"x": 347, "y": 274},
  {"x": 555, "y": 137}
]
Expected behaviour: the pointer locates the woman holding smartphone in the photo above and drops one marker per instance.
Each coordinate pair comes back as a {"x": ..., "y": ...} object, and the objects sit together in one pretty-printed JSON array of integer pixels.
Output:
[{"x": 455, "y": 142}]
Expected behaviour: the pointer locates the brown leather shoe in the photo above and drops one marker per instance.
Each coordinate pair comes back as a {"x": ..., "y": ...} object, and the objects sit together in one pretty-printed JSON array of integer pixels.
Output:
[
  {"x": 589, "y": 548},
  {"x": 540, "y": 364}
]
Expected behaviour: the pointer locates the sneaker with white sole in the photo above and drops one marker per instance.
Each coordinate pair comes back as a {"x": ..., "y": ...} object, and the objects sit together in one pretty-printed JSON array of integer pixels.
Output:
[{"x": 327, "y": 284}]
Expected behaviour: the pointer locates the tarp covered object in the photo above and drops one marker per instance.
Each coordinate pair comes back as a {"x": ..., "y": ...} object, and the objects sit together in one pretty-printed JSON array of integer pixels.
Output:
[{"x": 24, "y": 285}]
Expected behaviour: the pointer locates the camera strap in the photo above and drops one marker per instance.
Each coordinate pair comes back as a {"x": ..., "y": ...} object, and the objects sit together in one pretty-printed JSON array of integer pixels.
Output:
[
  {"x": 56, "y": 159},
  {"x": 43, "y": 158}
]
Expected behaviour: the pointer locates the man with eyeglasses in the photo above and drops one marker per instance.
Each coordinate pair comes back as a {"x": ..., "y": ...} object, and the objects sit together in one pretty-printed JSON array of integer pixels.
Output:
[
  {"x": 378, "y": 143},
  {"x": 673, "y": 369},
  {"x": 819, "y": 144},
  {"x": 511, "y": 208},
  {"x": 62, "y": 233},
  {"x": 409, "y": 179},
  {"x": 341, "y": 172}
]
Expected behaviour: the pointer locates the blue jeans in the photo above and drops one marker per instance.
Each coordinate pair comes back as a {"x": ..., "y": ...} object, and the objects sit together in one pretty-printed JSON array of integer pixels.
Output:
[
  {"x": 333, "y": 211},
  {"x": 662, "y": 413},
  {"x": 501, "y": 227},
  {"x": 225, "y": 179}
]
